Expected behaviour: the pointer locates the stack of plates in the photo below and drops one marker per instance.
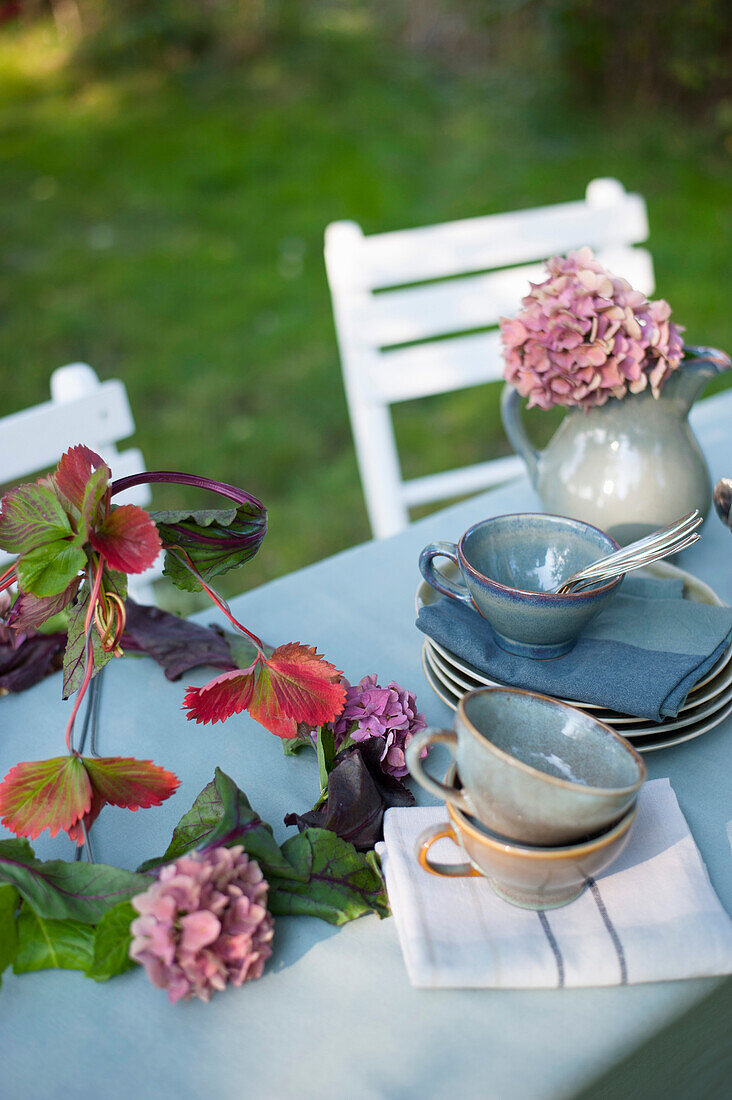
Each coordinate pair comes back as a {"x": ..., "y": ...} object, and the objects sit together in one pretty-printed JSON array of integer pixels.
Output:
[{"x": 707, "y": 704}]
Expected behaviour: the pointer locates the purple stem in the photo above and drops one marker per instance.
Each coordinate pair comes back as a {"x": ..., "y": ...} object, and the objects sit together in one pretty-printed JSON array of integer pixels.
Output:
[{"x": 240, "y": 496}]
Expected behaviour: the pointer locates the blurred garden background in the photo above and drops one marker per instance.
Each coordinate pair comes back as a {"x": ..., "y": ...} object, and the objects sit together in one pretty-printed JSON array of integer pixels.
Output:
[{"x": 169, "y": 167}]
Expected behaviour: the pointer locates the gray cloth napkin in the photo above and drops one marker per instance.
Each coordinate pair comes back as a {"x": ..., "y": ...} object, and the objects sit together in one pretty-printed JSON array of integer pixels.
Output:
[
  {"x": 640, "y": 656},
  {"x": 651, "y": 916}
]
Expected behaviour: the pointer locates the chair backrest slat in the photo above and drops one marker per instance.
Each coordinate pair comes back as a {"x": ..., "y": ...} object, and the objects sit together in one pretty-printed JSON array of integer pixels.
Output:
[
  {"x": 35, "y": 438},
  {"x": 400, "y": 341},
  {"x": 499, "y": 240},
  {"x": 471, "y": 302},
  {"x": 82, "y": 410}
]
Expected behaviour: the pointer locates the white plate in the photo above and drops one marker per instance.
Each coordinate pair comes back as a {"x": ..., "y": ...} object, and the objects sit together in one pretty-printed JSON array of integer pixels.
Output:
[
  {"x": 694, "y": 589},
  {"x": 643, "y": 727},
  {"x": 661, "y": 740},
  {"x": 625, "y": 724}
]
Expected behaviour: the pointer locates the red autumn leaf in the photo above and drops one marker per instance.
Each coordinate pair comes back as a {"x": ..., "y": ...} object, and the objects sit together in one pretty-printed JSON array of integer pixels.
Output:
[
  {"x": 128, "y": 538},
  {"x": 73, "y": 473},
  {"x": 45, "y": 794},
  {"x": 68, "y": 792},
  {"x": 296, "y": 685},
  {"x": 230, "y": 693},
  {"x": 132, "y": 784}
]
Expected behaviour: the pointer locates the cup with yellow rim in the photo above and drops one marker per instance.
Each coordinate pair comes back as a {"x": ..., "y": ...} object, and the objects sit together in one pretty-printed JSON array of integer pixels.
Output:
[{"x": 528, "y": 876}]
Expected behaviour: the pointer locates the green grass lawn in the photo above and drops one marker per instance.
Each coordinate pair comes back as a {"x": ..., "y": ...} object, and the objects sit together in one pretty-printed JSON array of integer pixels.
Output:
[{"x": 167, "y": 228}]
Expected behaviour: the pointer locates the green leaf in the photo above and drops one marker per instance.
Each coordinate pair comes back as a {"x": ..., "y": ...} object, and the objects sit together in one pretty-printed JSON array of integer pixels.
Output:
[
  {"x": 31, "y": 516},
  {"x": 112, "y": 943},
  {"x": 222, "y": 816},
  {"x": 9, "y": 899},
  {"x": 216, "y": 540},
  {"x": 326, "y": 754},
  {"x": 58, "y": 890},
  {"x": 75, "y": 655},
  {"x": 334, "y": 881},
  {"x": 49, "y": 569},
  {"x": 52, "y": 944}
]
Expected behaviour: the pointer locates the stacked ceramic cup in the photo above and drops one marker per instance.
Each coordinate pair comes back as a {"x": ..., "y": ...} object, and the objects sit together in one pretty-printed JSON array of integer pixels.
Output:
[{"x": 541, "y": 796}]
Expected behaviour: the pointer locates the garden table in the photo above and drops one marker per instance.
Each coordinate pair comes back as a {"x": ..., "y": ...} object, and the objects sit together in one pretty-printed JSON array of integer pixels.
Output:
[{"x": 334, "y": 1014}]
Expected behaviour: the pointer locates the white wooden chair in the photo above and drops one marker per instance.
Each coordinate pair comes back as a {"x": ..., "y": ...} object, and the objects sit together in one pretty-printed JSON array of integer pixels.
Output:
[
  {"x": 81, "y": 410},
  {"x": 391, "y": 335}
]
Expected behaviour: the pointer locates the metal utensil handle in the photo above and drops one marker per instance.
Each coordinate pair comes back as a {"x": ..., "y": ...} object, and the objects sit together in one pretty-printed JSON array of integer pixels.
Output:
[{"x": 583, "y": 583}]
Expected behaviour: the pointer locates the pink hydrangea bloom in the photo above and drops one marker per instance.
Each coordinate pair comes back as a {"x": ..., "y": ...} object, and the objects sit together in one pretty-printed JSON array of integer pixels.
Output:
[
  {"x": 585, "y": 335},
  {"x": 388, "y": 712},
  {"x": 203, "y": 923}
]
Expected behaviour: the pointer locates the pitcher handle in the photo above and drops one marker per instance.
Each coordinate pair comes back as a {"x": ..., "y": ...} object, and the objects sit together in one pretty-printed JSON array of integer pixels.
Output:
[
  {"x": 513, "y": 426},
  {"x": 697, "y": 357}
]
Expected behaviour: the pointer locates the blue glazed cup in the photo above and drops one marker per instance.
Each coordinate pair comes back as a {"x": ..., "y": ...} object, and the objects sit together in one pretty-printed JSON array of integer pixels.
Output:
[
  {"x": 508, "y": 565},
  {"x": 532, "y": 769}
]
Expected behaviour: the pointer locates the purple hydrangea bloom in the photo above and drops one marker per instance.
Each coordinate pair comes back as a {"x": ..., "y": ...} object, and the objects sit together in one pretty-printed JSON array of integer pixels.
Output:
[
  {"x": 203, "y": 923},
  {"x": 387, "y": 712},
  {"x": 585, "y": 335}
]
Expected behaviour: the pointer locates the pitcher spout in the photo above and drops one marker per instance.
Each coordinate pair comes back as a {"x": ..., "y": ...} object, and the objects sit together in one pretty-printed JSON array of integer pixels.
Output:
[{"x": 698, "y": 366}]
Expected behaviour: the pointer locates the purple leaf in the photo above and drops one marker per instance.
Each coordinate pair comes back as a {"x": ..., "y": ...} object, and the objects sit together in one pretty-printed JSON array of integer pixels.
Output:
[
  {"x": 176, "y": 644},
  {"x": 30, "y": 611},
  {"x": 35, "y": 658},
  {"x": 358, "y": 794}
]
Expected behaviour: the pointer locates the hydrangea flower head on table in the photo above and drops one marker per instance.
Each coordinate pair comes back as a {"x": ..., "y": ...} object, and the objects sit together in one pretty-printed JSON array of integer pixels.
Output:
[
  {"x": 387, "y": 712},
  {"x": 585, "y": 335},
  {"x": 203, "y": 923}
]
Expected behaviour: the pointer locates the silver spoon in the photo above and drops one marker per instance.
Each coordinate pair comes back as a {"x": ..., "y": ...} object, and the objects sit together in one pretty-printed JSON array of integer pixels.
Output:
[{"x": 668, "y": 540}]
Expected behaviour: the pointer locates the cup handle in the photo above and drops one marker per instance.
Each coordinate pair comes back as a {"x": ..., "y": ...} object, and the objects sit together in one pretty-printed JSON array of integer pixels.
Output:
[
  {"x": 444, "y": 870},
  {"x": 418, "y": 743},
  {"x": 454, "y": 589}
]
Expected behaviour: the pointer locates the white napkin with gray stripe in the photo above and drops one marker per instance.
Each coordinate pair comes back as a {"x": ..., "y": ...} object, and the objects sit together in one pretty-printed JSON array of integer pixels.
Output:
[{"x": 652, "y": 916}]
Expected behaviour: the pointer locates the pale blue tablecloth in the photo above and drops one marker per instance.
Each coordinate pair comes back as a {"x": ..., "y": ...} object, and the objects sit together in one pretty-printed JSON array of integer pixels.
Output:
[{"x": 334, "y": 1015}]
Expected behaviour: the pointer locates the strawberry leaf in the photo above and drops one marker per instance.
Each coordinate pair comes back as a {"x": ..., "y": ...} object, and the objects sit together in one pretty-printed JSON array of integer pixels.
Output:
[
  {"x": 112, "y": 941},
  {"x": 296, "y": 685},
  {"x": 45, "y": 794},
  {"x": 227, "y": 694},
  {"x": 31, "y": 516},
  {"x": 66, "y": 891},
  {"x": 128, "y": 539},
  {"x": 74, "y": 471},
  {"x": 52, "y": 944},
  {"x": 130, "y": 783},
  {"x": 94, "y": 493},
  {"x": 49, "y": 569}
]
